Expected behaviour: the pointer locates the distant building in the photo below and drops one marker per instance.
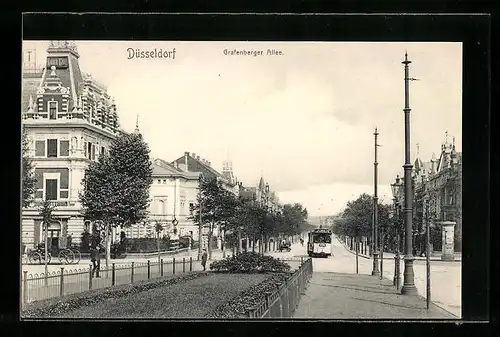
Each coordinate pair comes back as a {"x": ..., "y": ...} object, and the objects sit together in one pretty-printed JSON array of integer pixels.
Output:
[
  {"x": 261, "y": 194},
  {"x": 190, "y": 162},
  {"x": 70, "y": 121},
  {"x": 440, "y": 182}
]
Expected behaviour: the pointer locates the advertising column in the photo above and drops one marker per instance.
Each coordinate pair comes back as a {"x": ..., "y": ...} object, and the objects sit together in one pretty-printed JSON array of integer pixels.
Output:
[{"x": 448, "y": 251}]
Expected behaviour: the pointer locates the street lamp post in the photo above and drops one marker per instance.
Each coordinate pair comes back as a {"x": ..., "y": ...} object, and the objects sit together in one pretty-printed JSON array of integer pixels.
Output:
[
  {"x": 375, "y": 271},
  {"x": 199, "y": 221},
  {"x": 396, "y": 192},
  {"x": 409, "y": 277}
]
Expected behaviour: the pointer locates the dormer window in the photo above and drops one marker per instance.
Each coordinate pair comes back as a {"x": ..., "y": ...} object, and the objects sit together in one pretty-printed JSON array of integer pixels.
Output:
[{"x": 53, "y": 110}]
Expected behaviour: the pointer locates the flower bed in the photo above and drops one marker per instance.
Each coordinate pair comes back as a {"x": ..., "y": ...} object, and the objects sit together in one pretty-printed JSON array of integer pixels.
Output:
[
  {"x": 56, "y": 307},
  {"x": 235, "y": 308},
  {"x": 249, "y": 262}
]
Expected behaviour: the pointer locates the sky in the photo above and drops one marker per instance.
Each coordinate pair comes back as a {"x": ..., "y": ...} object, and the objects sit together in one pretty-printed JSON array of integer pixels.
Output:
[{"x": 303, "y": 119}]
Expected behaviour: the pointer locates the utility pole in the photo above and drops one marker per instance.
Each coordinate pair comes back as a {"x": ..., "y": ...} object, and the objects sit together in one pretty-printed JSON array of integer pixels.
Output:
[
  {"x": 428, "y": 253},
  {"x": 199, "y": 221},
  {"x": 375, "y": 271},
  {"x": 409, "y": 277},
  {"x": 357, "y": 256}
]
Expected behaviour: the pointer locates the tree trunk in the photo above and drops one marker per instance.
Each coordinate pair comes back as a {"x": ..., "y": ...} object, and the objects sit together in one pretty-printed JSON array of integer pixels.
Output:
[
  {"x": 158, "y": 246},
  {"x": 209, "y": 248},
  {"x": 223, "y": 244},
  {"x": 108, "y": 247},
  {"x": 240, "y": 248}
]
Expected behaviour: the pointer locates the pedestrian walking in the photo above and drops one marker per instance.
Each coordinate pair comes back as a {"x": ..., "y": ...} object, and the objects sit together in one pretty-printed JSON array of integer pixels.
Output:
[
  {"x": 204, "y": 259},
  {"x": 95, "y": 258}
]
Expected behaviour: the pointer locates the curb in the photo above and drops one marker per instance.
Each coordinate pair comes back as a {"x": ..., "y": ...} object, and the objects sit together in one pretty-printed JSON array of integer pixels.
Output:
[{"x": 456, "y": 260}]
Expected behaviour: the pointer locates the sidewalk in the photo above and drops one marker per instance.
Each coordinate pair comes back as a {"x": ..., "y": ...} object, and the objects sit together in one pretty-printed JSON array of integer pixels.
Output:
[
  {"x": 351, "y": 296},
  {"x": 390, "y": 256}
]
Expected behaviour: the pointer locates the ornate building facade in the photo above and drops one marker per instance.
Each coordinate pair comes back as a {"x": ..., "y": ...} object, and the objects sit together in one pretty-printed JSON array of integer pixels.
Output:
[
  {"x": 70, "y": 121},
  {"x": 438, "y": 183}
]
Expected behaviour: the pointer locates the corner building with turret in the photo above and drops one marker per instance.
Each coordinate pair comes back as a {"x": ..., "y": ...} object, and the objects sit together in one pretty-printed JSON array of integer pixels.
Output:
[{"x": 70, "y": 121}]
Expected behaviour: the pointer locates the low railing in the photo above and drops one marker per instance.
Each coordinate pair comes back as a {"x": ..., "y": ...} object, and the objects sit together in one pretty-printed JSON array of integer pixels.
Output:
[
  {"x": 283, "y": 302},
  {"x": 36, "y": 287}
]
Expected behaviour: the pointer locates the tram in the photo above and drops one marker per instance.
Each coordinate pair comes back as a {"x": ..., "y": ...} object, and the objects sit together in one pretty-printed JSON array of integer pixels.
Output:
[{"x": 319, "y": 242}]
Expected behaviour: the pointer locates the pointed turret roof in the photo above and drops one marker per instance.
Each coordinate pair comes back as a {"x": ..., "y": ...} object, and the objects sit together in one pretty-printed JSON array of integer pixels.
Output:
[
  {"x": 418, "y": 165},
  {"x": 262, "y": 184},
  {"x": 137, "y": 131},
  {"x": 68, "y": 71}
]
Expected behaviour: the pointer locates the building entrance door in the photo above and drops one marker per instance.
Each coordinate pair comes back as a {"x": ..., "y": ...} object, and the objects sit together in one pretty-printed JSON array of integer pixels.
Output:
[{"x": 54, "y": 238}]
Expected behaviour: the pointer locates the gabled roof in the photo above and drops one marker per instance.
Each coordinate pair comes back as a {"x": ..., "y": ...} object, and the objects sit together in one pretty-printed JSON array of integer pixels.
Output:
[
  {"x": 207, "y": 167},
  {"x": 162, "y": 168}
]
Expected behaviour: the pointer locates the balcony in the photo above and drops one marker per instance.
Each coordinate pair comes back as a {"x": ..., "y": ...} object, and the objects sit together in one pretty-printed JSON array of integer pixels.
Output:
[{"x": 56, "y": 203}]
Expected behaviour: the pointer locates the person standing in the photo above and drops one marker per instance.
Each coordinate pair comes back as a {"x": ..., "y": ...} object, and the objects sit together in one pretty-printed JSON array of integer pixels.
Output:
[
  {"x": 95, "y": 256},
  {"x": 204, "y": 259}
]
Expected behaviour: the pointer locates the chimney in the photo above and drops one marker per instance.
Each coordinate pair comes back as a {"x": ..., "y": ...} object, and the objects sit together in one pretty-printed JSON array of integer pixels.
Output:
[
  {"x": 198, "y": 157},
  {"x": 209, "y": 163},
  {"x": 186, "y": 155},
  {"x": 193, "y": 155}
]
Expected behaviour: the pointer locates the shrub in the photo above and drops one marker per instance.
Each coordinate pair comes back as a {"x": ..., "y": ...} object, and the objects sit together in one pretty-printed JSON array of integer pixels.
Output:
[
  {"x": 249, "y": 262},
  {"x": 85, "y": 242},
  {"x": 184, "y": 241},
  {"x": 145, "y": 245}
]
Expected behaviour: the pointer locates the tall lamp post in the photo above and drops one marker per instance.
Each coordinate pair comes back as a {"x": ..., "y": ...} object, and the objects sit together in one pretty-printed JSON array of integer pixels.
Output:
[
  {"x": 199, "y": 220},
  {"x": 409, "y": 277},
  {"x": 375, "y": 271},
  {"x": 397, "y": 188}
]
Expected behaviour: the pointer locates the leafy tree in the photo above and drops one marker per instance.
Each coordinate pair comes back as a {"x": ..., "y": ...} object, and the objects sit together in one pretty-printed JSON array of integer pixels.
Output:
[
  {"x": 27, "y": 175},
  {"x": 116, "y": 187},
  {"x": 217, "y": 207},
  {"x": 294, "y": 219},
  {"x": 357, "y": 219}
]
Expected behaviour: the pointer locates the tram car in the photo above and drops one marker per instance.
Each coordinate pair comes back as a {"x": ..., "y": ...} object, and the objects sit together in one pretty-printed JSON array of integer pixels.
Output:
[{"x": 319, "y": 243}]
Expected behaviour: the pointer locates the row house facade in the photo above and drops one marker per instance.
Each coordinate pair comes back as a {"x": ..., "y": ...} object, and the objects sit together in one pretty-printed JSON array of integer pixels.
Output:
[
  {"x": 438, "y": 183},
  {"x": 70, "y": 121}
]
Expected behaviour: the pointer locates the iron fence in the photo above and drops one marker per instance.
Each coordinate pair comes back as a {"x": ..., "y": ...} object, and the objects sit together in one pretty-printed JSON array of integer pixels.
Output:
[
  {"x": 36, "y": 287},
  {"x": 283, "y": 302}
]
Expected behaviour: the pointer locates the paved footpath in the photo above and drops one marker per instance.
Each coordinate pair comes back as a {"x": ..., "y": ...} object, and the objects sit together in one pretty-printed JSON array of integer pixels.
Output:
[{"x": 351, "y": 296}]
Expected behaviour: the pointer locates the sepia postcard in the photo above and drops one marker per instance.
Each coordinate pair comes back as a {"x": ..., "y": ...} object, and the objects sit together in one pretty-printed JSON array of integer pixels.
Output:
[{"x": 241, "y": 180}]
